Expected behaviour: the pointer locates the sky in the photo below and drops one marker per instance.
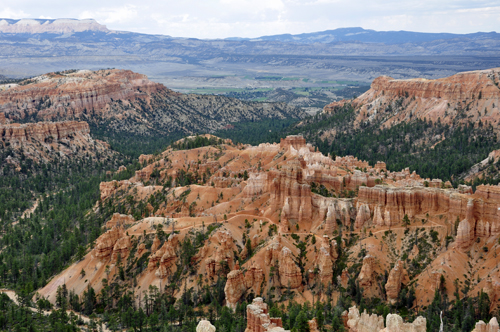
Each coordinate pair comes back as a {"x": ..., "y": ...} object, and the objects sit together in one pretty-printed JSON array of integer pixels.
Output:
[{"x": 254, "y": 18}]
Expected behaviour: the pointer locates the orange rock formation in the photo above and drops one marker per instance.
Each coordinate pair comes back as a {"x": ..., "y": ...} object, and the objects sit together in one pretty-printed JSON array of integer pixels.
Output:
[
  {"x": 397, "y": 276},
  {"x": 258, "y": 319},
  {"x": 75, "y": 94},
  {"x": 284, "y": 223},
  {"x": 430, "y": 99}
]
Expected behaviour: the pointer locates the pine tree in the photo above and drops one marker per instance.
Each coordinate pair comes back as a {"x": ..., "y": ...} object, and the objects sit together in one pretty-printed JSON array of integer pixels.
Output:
[{"x": 301, "y": 323}]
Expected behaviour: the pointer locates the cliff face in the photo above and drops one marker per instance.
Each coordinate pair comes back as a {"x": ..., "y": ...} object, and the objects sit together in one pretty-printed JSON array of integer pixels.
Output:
[
  {"x": 469, "y": 96},
  {"x": 478, "y": 214},
  {"x": 125, "y": 101},
  {"x": 73, "y": 94},
  {"x": 44, "y": 141},
  {"x": 17, "y": 134}
]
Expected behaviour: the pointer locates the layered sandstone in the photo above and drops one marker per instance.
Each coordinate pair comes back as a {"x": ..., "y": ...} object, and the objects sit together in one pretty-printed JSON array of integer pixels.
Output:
[
  {"x": 108, "y": 188},
  {"x": 363, "y": 215},
  {"x": 254, "y": 277},
  {"x": 120, "y": 220},
  {"x": 331, "y": 220},
  {"x": 366, "y": 277},
  {"x": 128, "y": 102},
  {"x": 167, "y": 261},
  {"x": 344, "y": 278},
  {"x": 290, "y": 193},
  {"x": 75, "y": 94},
  {"x": 465, "y": 231},
  {"x": 325, "y": 258},
  {"x": 121, "y": 248},
  {"x": 239, "y": 282},
  {"x": 295, "y": 141},
  {"x": 112, "y": 243},
  {"x": 272, "y": 253},
  {"x": 397, "y": 276},
  {"x": 479, "y": 213},
  {"x": 290, "y": 275},
  {"x": 223, "y": 253},
  {"x": 280, "y": 188},
  {"x": 258, "y": 319},
  {"x": 443, "y": 98},
  {"x": 45, "y": 141},
  {"x": 235, "y": 288},
  {"x": 43, "y": 131}
]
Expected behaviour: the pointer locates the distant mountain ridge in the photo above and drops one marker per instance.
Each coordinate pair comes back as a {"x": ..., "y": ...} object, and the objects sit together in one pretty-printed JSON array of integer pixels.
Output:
[
  {"x": 33, "y": 47},
  {"x": 358, "y": 34},
  {"x": 349, "y": 34}
]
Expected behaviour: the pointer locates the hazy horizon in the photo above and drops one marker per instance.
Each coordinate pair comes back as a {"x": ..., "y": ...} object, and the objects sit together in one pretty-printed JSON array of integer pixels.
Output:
[{"x": 250, "y": 19}]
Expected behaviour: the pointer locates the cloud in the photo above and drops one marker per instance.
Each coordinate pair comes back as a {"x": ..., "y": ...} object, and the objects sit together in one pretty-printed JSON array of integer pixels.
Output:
[
  {"x": 253, "y": 18},
  {"x": 8, "y": 12},
  {"x": 110, "y": 15}
]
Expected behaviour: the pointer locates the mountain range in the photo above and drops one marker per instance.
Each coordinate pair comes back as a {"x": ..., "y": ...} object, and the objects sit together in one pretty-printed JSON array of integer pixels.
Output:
[
  {"x": 31, "y": 47},
  {"x": 354, "y": 34}
]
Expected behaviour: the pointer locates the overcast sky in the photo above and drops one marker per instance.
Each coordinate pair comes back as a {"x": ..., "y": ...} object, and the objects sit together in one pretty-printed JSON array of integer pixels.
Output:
[{"x": 253, "y": 18}]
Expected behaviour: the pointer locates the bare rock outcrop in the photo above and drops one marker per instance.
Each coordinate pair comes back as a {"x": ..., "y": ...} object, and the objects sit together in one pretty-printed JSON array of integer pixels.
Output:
[
  {"x": 120, "y": 220},
  {"x": 366, "y": 277},
  {"x": 397, "y": 276},
  {"x": 258, "y": 319},
  {"x": 465, "y": 231},
  {"x": 313, "y": 325},
  {"x": 394, "y": 323},
  {"x": 239, "y": 281},
  {"x": 296, "y": 141},
  {"x": 109, "y": 188},
  {"x": 106, "y": 242},
  {"x": 72, "y": 95},
  {"x": 205, "y": 326},
  {"x": 235, "y": 288},
  {"x": 344, "y": 278},
  {"x": 325, "y": 260},
  {"x": 362, "y": 216},
  {"x": 167, "y": 261},
  {"x": 162, "y": 261},
  {"x": 290, "y": 275},
  {"x": 272, "y": 253},
  {"x": 428, "y": 99},
  {"x": 121, "y": 248},
  {"x": 46, "y": 141},
  {"x": 43, "y": 131},
  {"x": 364, "y": 322},
  {"x": 331, "y": 220},
  {"x": 375, "y": 323},
  {"x": 222, "y": 253},
  {"x": 492, "y": 326},
  {"x": 290, "y": 193},
  {"x": 253, "y": 278}
]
